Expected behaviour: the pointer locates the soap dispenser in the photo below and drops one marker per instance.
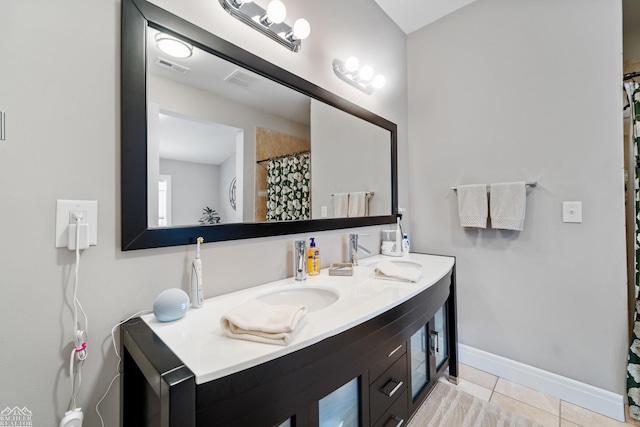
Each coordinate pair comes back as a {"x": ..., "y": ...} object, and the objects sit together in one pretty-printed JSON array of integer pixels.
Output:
[{"x": 313, "y": 259}]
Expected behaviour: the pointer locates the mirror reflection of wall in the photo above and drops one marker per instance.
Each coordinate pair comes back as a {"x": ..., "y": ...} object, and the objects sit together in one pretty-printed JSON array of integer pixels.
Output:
[
  {"x": 194, "y": 164},
  {"x": 349, "y": 154}
]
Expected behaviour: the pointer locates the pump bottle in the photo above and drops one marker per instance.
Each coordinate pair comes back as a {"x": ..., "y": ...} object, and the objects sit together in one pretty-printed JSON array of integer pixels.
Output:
[{"x": 313, "y": 259}]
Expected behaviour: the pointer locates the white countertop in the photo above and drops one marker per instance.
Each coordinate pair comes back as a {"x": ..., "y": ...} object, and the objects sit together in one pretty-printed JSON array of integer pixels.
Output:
[{"x": 197, "y": 339}]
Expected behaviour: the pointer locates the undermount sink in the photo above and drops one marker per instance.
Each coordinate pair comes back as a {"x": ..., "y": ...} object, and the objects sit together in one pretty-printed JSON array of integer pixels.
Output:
[{"x": 312, "y": 297}]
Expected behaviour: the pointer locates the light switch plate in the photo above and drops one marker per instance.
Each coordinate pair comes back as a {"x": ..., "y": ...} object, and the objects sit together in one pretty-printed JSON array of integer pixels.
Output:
[
  {"x": 89, "y": 208},
  {"x": 572, "y": 212}
]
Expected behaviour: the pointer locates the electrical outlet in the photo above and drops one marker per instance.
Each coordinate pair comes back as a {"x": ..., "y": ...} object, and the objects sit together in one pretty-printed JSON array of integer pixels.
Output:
[
  {"x": 323, "y": 211},
  {"x": 65, "y": 215},
  {"x": 572, "y": 212}
]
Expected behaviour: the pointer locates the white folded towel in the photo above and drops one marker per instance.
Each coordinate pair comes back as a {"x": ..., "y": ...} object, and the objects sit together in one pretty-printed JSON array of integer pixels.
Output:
[
  {"x": 358, "y": 204},
  {"x": 508, "y": 205},
  {"x": 473, "y": 205},
  {"x": 390, "y": 271},
  {"x": 262, "y": 322},
  {"x": 341, "y": 205}
]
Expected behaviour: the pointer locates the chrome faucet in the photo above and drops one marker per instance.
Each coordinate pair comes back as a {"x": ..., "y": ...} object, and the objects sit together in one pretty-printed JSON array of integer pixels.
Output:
[
  {"x": 299, "y": 260},
  {"x": 354, "y": 246}
]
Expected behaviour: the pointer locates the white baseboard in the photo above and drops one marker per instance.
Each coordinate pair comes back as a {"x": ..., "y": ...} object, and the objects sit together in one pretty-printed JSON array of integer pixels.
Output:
[{"x": 595, "y": 399}]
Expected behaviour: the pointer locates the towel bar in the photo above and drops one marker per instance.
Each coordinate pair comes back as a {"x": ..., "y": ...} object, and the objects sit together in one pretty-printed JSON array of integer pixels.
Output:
[
  {"x": 528, "y": 184},
  {"x": 369, "y": 193}
]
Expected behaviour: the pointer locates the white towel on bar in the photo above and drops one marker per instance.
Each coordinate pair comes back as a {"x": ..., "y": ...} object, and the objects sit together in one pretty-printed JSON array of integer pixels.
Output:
[
  {"x": 473, "y": 205},
  {"x": 262, "y": 322},
  {"x": 508, "y": 205},
  {"x": 341, "y": 205},
  {"x": 358, "y": 203}
]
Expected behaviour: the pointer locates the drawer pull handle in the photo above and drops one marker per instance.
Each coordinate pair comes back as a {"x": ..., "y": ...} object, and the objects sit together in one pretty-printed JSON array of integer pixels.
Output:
[
  {"x": 396, "y": 349},
  {"x": 399, "y": 421},
  {"x": 385, "y": 390}
]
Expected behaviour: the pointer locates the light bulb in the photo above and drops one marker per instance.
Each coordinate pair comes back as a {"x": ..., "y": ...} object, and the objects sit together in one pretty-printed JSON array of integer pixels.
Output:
[
  {"x": 366, "y": 73},
  {"x": 276, "y": 11},
  {"x": 351, "y": 64},
  {"x": 301, "y": 29},
  {"x": 379, "y": 81},
  {"x": 173, "y": 47}
]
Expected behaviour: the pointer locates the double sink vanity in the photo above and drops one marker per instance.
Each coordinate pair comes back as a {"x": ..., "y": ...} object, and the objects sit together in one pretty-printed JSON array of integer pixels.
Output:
[{"x": 367, "y": 354}]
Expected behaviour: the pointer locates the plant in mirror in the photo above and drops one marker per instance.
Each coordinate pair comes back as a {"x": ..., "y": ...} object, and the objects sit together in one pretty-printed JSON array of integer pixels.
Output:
[{"x": 194, "y": 126}]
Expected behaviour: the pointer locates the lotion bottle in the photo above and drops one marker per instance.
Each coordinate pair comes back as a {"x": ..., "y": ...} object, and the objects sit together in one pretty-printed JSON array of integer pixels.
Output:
[
  {"x": 313, "y": 259},
  {"x": 197, "y": 295}
]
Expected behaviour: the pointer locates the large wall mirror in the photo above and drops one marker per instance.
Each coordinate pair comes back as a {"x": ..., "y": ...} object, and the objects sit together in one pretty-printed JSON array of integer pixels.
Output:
[{"x": 224, "y": 145}]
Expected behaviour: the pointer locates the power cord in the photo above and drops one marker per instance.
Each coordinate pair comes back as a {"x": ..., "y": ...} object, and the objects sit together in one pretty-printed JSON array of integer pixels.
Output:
[
  {"x": 115, "y": 348},
  {"x": 73, "y": 416}
]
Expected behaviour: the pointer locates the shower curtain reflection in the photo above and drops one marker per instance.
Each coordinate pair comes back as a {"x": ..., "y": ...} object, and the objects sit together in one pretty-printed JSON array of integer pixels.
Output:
[{"x": 288, "y": 184}]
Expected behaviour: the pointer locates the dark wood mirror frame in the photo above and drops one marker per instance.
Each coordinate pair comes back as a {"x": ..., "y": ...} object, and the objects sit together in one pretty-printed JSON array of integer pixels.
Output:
[{"x": 137, "y": 15}]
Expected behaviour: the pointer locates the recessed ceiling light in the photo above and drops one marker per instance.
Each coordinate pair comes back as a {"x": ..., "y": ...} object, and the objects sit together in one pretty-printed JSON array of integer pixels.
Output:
[{"x": 173, "y": 46}]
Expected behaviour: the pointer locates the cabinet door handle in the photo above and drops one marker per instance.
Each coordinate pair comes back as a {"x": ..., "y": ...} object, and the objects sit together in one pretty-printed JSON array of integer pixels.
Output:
[
  {"x": 435, "y": 335},
  {"x": 385, "y": 390},
  {"x": 398, "y": 421},
  {"x": 396, "y": 349}
]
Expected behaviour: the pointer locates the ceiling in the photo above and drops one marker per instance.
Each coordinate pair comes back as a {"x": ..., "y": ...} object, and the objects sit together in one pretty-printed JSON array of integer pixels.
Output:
[{"x": 411, "y": 15}]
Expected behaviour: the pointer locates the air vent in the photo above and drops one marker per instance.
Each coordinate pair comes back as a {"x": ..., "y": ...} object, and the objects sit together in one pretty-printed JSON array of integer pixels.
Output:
[
  {"x": 242, "y": 78},
  {"x": 165, "y": 63}
]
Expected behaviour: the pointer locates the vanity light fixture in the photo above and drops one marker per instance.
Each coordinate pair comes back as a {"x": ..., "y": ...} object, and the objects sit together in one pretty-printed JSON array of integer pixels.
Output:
[
  {"x": 173, "y": 46},
  {"x": 358, "y": 77},
  {"x": 269, "y": 22}
]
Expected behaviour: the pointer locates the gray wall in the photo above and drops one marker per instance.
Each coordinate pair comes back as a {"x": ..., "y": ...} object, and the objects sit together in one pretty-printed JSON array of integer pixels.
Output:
[
  {"x": 527, "y": 90},
  {"x": 337, "y": 138},
  {"x": 193, "y": 186},
  {"x": 63, "y": 142}
]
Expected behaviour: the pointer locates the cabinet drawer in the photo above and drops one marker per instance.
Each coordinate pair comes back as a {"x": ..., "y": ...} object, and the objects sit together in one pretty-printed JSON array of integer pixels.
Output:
[
  {"x": 396, "y": 415},
  {"x": 387, "y": 355},
  {"x": 386, "y": 389}
]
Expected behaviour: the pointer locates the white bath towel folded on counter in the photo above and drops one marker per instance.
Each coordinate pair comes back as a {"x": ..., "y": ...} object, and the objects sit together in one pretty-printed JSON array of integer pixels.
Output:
[
  {"x": 473, "y": 206},
  {"x": 341, "y": 205},
  {"x": 508, "y": 205},
  {"x": 390, "y": 271},
  {"x": 262, "y": 322}
]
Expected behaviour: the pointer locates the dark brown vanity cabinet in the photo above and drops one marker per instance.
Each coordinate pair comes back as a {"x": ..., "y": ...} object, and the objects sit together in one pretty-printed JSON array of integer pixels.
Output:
[{"x": 374, "y": 374}]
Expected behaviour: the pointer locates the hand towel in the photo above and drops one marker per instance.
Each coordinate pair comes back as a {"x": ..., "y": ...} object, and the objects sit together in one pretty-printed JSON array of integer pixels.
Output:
[
  {"x": 358, "y": 204},
  {"x": 390, "y": 271},
  {"x": 473, "y": 205},
  {"x": 508, "y": 205},
  {"x": 341, "y": 205},
  {"x": 262, "y": 322}
]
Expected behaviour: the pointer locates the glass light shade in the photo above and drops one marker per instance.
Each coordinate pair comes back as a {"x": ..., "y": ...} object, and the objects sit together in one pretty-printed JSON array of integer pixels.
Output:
[
  {"x": 173, "y": 47},
  {"x": 301, "y": 29},
  {"x": 366, "y": 73},
  {"x": 379, "y": 81},
  {"x": 352, "y": 64},
  {"x": 276, "y": 11}
]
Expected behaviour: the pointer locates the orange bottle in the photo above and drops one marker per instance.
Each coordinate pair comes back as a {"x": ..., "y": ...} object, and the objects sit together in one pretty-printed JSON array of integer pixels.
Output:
[{"x": 313, "y": 259}]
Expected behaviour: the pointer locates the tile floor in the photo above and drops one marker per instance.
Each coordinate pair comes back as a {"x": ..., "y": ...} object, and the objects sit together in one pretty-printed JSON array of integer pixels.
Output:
[{"x": 534, "y": 405}]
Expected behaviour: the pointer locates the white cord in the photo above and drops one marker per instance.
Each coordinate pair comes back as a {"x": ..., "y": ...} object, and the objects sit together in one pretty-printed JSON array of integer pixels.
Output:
[
  {"x": 80, "y": 338},
  {"x": 115, "y": 348}
]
